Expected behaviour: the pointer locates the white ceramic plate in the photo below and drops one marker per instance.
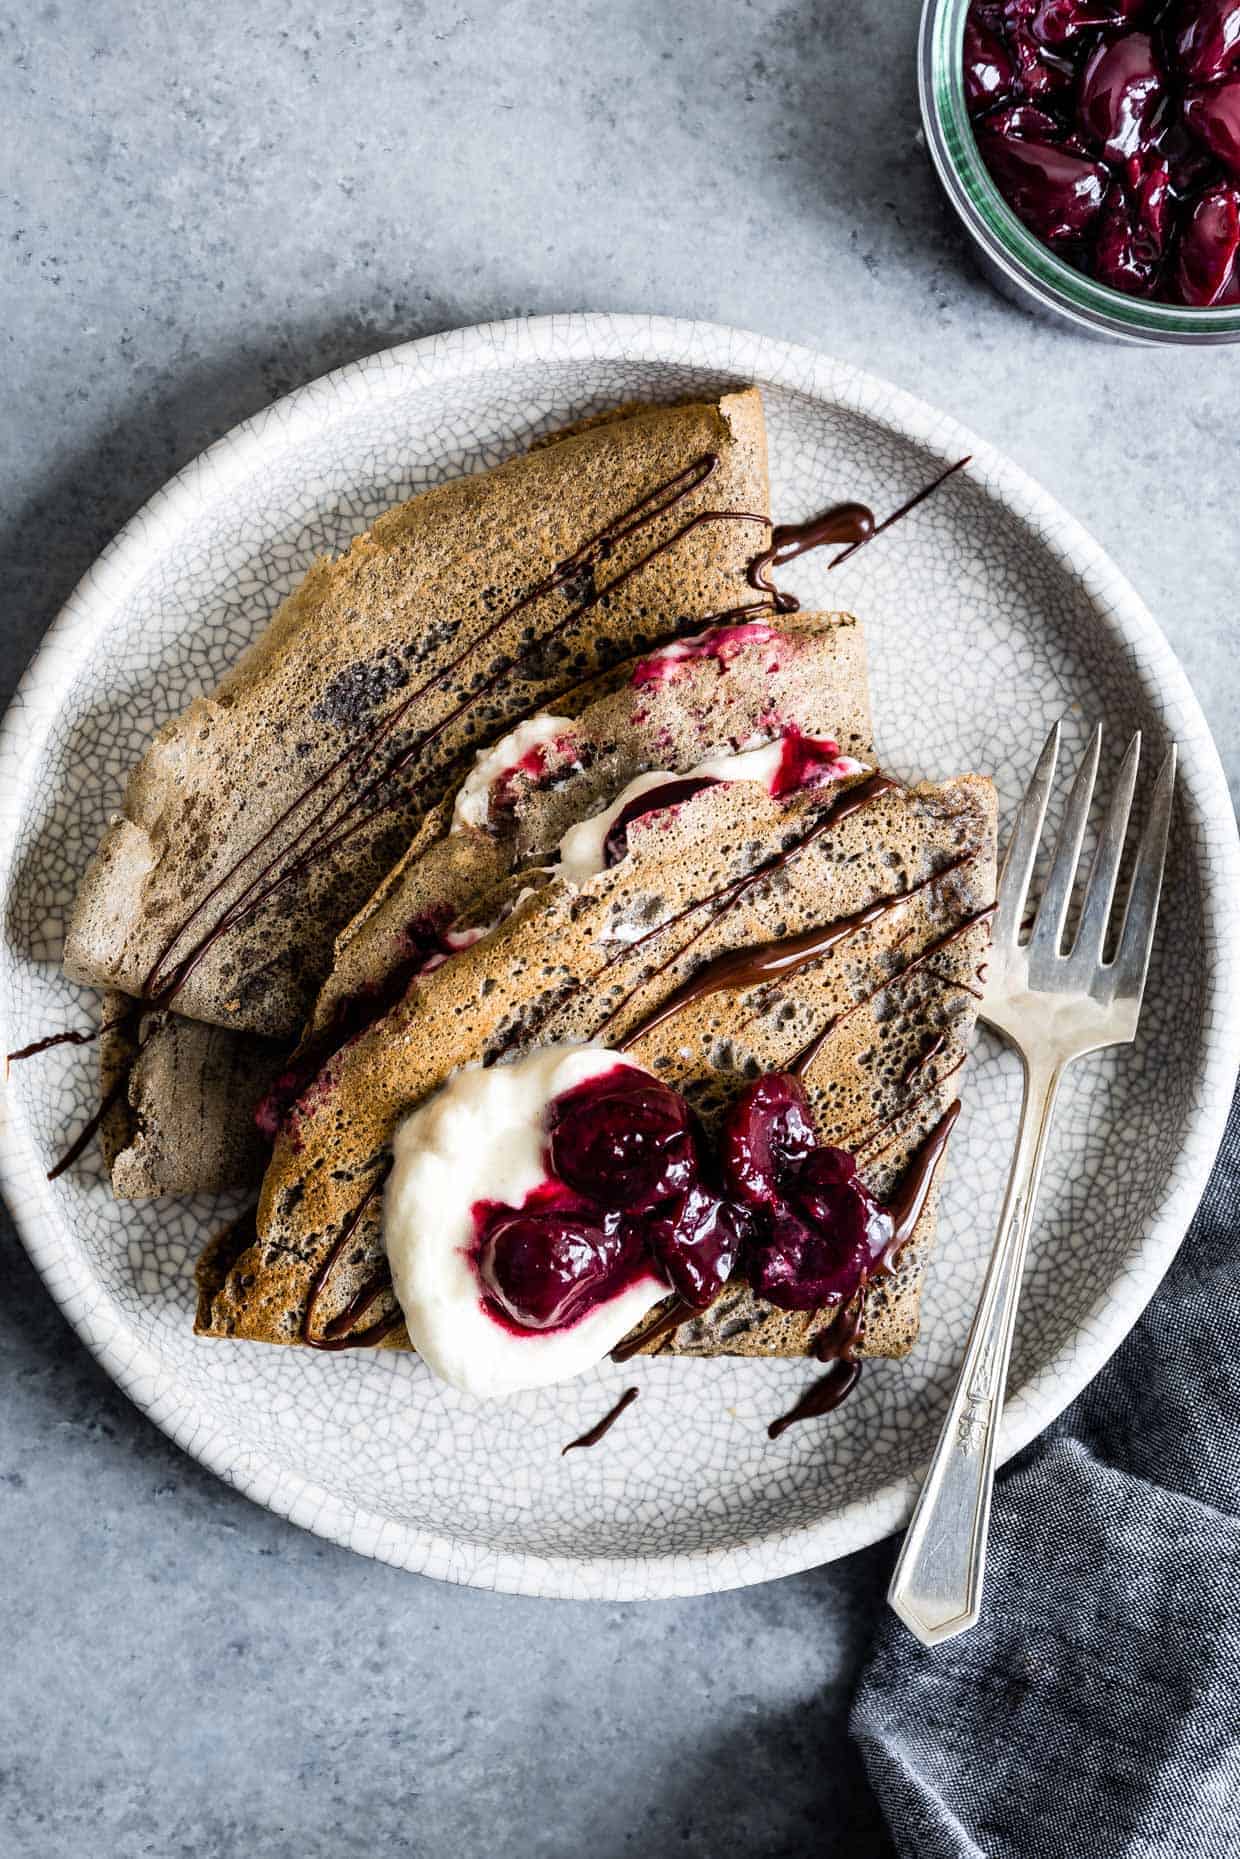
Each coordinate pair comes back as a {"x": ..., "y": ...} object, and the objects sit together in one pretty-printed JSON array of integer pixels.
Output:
[{"x": 989, "y": 613}]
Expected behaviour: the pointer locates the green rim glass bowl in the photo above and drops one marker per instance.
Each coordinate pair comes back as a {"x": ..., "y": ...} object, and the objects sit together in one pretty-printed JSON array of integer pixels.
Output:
[{"x": 1015, "y": 261}]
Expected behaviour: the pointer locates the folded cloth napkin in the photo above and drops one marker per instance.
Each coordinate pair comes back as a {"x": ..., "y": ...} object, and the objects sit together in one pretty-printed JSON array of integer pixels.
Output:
[{"x": 1095, "y": 1709}]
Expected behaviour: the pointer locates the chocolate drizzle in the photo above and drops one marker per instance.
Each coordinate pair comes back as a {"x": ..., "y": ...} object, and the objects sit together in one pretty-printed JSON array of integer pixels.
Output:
[
  {"x": 738, "y": 969},
  {"x": 802, "y": 1061},
  {"x": 845, "y": 522},
  {"x": 898, "y": 516},
  {"x": 840, "y": 1344},
  {"x": 90, "y": 1128},
  {"x": 336, "y": 1331},
  {"x": 604, "y": 1425},
  {"x": 840, "y": 809},
  {"x": 865, "y": 1146},
  {"x": 671, "y": 1319},
  {"x": 910, "y": 1198},
  {"x": 919, "y": 1064},
  {"x": 111, "y": 1096}
]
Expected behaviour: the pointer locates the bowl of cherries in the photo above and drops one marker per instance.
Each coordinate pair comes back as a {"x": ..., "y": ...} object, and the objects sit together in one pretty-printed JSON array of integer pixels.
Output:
[{"x": 1092, "y": 149}]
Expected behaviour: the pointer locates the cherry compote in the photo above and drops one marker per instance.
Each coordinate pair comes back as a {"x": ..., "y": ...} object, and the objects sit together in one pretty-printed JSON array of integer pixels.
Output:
[
  {"x": 626, "y": 1194},
  {"x": 696, "y": 1241},
  {"x": 623, "y": 1139},
  {"x": 1112, "y": 129},
  {"x": 817, "y": 1230},
  {"x": 546, "y": 1269},
  {"x": 630, "y": 1190}
]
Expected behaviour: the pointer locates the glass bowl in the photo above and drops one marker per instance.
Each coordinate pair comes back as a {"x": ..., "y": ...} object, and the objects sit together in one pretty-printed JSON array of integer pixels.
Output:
[{"x": 1014, "y": 260}]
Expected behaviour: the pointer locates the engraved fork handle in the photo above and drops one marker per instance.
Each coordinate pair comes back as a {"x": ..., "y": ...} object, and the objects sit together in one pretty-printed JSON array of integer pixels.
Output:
[{"x": 937, "y": 1585}]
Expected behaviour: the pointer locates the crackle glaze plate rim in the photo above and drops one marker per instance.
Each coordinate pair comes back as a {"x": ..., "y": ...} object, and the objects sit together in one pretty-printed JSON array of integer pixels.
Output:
[{"x": 493, "y": 348}]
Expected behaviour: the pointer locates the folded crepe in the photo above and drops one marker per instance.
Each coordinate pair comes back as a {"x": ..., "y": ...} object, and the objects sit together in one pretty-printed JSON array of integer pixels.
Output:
[
  {"x": 881, "y": 1021},
  {"x": 260, "y": 821},
  {"x": 181, "y": 1099},
  {"x": 711, "y": 695},
  {"x": 700, "y": 697}
]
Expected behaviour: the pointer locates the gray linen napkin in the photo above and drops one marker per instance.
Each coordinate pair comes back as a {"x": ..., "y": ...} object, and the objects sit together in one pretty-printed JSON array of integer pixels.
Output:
[{"x": 1095, "y": 1710}]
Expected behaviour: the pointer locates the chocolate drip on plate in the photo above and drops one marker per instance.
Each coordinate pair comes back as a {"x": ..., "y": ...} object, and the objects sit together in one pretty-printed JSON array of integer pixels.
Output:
[
  {"x": 604, "y": 1425},
  {"x": 850, "y": 523},
  {"x": 845, "y": 522},
  {"x": 821, "y": 1397},
  {"x": 897, "y": 516},
  {"x": 84, "y": 1036}
]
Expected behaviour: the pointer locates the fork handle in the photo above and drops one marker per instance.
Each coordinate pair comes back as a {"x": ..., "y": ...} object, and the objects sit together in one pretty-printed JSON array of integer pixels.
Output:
[{"x": 937, "y": 1585}]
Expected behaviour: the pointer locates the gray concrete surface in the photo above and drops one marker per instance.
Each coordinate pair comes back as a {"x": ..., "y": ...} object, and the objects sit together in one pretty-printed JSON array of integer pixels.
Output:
[{"x": 201, "y": 207}]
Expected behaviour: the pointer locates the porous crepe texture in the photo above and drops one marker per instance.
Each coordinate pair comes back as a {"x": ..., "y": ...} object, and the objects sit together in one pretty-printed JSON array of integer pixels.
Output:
[
  {"x": 592, "y": 963},
  {"x": 807, "y": 672},
  {"x": 411, "y": 612},
  {"x": 182, "y": 1121}
]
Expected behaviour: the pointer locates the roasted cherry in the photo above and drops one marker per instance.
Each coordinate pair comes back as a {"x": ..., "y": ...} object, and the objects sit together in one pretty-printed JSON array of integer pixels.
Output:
[
  {"x": 767, "y": 1132},
  {"x": 1205, "y": 39},
  {"x": 989, "y": 72},
  {"x": 820, "y": 1243},
  {"x": 1056, "y": 193},
  {"x": 1026, "y": 120},
  {"x": 545, "y": 1270},
  {"x": 696, "y": 1240},
  {"x": 1056, "y": 23},
  {"x": 1213, "y": 115},
  {"x": 800, "y": 1267},
  {"x": 1209, "y": 241},
  {"x": 1120, "y": 95},
  {"x": 827, "y": 1191},
  {"x": 1125, "y": 255},
  {"x": 669, "y": 794},
  {"x": 623, "y": 1139},
  {"x": 1116, "y": 138},
  {"x": 1041, "y": 73}
]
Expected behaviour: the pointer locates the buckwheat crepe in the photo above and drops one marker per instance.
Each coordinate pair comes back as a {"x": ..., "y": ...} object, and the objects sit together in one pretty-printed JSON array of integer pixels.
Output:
[
  {"x": 260, "y": 821},
  {"x": 183, "y": 1101},
  {"x": 733, "y": 687},
  {"x": 894, "y": 1002},
  {"x": 727, "y": 687}
]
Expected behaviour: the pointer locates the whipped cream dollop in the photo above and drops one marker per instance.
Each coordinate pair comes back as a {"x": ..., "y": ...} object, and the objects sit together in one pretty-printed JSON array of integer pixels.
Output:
[
  {"x": 479, "y": 1141},
  {"x": 777, "y": 764},
  {"x": 522, "y": 750},
  {"x": 581, "y": 852}
]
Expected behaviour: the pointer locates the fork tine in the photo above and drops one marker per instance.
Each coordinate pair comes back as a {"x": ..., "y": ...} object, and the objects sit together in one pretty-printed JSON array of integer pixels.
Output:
[
  {"x": 1104, "y": 870},
  {"x": 1132, "y": 958},
  {"x": 1022, "y": 847},
  {"x": 1057, "y": 894}
]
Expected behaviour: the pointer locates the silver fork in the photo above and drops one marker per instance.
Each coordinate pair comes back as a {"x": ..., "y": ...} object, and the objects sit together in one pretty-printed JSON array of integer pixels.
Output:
[{"x": 1053, "y": 1007}]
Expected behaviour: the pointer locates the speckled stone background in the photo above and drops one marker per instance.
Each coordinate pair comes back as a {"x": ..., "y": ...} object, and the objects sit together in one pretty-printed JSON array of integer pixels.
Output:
[{"x": 202, "y": 208}]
